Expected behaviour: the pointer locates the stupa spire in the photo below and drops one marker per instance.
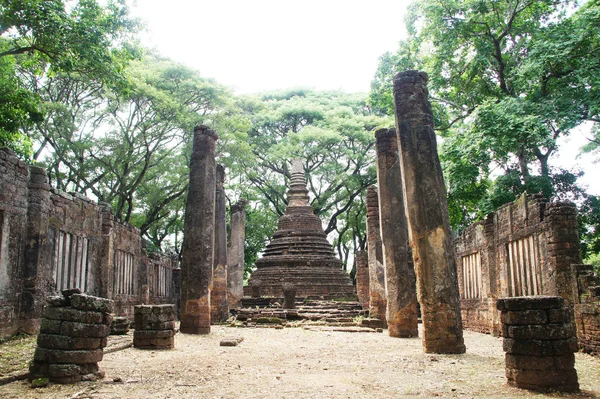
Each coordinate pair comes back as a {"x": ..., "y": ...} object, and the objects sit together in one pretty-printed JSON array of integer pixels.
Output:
[{"x": 298, "y": 193}]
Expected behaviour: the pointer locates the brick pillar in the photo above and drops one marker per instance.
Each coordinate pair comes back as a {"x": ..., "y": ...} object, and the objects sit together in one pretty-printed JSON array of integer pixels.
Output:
[
  {"x": 401, "y": 292},
  {"x": 539, "y": 343},
  {"x": 235, "y": 256},
  {"x": 563, "y": 246},
  {"x": 218, "y": 295},
  {"x": 377, "y": 300},
  {"x": 198, "y": 235},
  {"x": 38, "y": 264},
  {"x": 362, "y": 278},
  {"x": 427, "y": 211}
]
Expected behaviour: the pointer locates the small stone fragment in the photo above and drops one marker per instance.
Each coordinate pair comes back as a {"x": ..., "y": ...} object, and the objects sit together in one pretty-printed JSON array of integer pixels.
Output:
[{"x": 231, "y": 341}]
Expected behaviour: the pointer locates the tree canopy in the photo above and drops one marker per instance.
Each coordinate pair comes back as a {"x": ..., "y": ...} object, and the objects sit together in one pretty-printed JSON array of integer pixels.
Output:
[{"x": 507, "y": 80}]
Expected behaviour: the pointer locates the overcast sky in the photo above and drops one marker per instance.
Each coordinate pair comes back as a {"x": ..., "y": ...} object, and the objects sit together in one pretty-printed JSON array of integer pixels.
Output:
[{"x": 262, "y": 45}]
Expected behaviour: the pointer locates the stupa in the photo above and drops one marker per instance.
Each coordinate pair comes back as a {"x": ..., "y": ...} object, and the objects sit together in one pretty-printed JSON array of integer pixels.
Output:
[{"x": 299, "y": 252}]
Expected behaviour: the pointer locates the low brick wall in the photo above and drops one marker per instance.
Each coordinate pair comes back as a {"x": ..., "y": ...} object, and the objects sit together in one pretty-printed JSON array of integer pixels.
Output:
[
  {"x": 51, "y": 240},
  {"x": 525, "y": 248}
]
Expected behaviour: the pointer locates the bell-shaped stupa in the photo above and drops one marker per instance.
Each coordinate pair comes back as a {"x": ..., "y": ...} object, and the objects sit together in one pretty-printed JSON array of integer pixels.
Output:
[{"x": 299, "y": 252}]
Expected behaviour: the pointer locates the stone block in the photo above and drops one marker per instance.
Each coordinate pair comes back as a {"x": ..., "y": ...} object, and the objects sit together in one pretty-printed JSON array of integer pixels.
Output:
[
  {"x": 563, "y": 380},
  {"x": 67, "y": 356},
  {"x": 530, "y": 303},
  {"x": 74, "y": 329},
  {"x": 164, "y": 325},
  {"x": 528, "y": 362},
  {"x": 74, "y": 315},
  {"x": 541, "y": 332},
  {"x": 154, "y": 343},
  {"x": 524, "y": 317},
  {"x": 54, "y": 341},
  {"x": 152, "y": 334},
  {"x": 93, "y": 303}
]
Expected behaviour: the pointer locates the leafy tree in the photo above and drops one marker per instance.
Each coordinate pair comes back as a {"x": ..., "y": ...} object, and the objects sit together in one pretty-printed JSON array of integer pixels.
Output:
[
  {"x": 128, "y": 145},
  {"x": 507, "y": 79},
  {"x": 50, "y": 37},
  {"x": 332, "y": 133}
]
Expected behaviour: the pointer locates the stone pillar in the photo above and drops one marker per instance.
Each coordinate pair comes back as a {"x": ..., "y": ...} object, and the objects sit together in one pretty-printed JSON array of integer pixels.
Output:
[
  {"x": 73, "y": 333},
  {"x": 235, "y": 256},
  {"x": 401, "y": 293},
  {"x": 38, "y": 264},
  {"x": 289, "y": 296},
  {"x": 198, "y": 235},
  {"x": 218, "y": 295},
  {"x": 362, "y": 278},
  {"x": 563, "y": 245},
  {"x": 427, "y": 212},
  {"x": 154, "y": 327},
  {"x": 539, "y": 342},
  {"x": 377, "y": 301}
]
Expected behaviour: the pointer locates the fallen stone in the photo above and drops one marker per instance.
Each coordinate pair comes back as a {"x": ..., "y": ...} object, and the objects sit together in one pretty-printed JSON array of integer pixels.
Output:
[{"x": 231, "y": 341}]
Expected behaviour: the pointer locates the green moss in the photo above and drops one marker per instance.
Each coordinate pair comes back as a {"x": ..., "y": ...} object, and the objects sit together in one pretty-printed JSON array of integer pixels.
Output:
[{"x": 15, "y": 354}]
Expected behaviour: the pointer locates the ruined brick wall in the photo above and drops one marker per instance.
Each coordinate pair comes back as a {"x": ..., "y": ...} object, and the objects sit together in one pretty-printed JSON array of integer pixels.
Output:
[
  {"x": 51, "y": 240},
  {"x": 14, "y": 176},
  {"x": 586, "y": 286},
  {"x": 524, "y": 248}
]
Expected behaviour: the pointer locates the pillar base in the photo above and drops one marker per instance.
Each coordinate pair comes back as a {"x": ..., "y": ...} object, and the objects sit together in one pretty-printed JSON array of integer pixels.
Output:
[{"x": 194, "y": 330}]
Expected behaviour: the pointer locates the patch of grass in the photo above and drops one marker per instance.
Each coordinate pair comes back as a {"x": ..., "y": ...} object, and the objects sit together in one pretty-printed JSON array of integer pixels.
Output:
[{"x": 15, "y": 354}]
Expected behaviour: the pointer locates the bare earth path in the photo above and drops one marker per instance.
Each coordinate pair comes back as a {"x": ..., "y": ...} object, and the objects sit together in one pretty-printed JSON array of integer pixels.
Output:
[{"x": 295, "y": 363}]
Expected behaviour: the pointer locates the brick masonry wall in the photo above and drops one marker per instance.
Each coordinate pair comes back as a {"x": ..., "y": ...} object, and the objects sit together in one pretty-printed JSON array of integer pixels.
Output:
[
  {"x": 51, "y": 240},
  {"x": 14, "y": 176},
  {"x": 547, "y": 232},
  {"x": 586, "y": 287}
]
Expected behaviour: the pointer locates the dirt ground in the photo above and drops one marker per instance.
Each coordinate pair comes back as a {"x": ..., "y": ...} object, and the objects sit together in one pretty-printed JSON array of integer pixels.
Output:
[{"x": 296, "y": 363}]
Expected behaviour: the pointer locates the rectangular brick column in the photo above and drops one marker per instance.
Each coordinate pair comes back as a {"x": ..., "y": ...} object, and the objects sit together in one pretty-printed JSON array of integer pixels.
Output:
[
  {"x": 198, "y": 235},
  {"x": 539, "y": 342},
  {"x": 362, "y": 278},
  {"x": 427, "y": 211},
  {"x": 235, "y": 256},
  {"x": 218, "y": 294},
  {"x": 377, "y": 299},
  {"x": 401, "y": 291}
]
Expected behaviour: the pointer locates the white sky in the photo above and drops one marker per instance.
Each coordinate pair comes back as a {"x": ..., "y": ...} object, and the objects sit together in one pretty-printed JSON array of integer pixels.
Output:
[{"x": 263, "y": 45}]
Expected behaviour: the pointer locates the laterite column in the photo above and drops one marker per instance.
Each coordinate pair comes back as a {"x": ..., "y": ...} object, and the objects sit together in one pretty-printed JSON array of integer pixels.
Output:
[
  {"x": 198, "y": 235},
  {"x": 362, "y": 277},
  {"x": 218, "y": 294},
  {"x": 377, "y": 300},
  {"x": 397, "y": 259},
  {"x": 427, "y": 213},
  {"x": 235, "y": 256}
]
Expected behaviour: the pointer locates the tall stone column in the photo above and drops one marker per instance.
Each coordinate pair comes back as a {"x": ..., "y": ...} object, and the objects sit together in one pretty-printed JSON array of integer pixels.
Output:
[
  {"x": 37, "y": 262},
  {"x": 235, "y": 257},
  {"x": 362, "y": 278},
  {"x": 377, "y": 300},
  {"x": 427, "y": 212},
  {"x": 218, "y": 295},
  {"x": 198, "y": 235},
  {"x": 401, "y": 293}
]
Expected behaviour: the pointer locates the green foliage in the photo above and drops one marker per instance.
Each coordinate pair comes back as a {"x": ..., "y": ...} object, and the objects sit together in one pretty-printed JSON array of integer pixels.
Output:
[
  {"x": 594, "y": 260},
  {"x": 507, "y": 79},
  {"x": 43, "y": 39},
  {"x": 330, "y": 131}
]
